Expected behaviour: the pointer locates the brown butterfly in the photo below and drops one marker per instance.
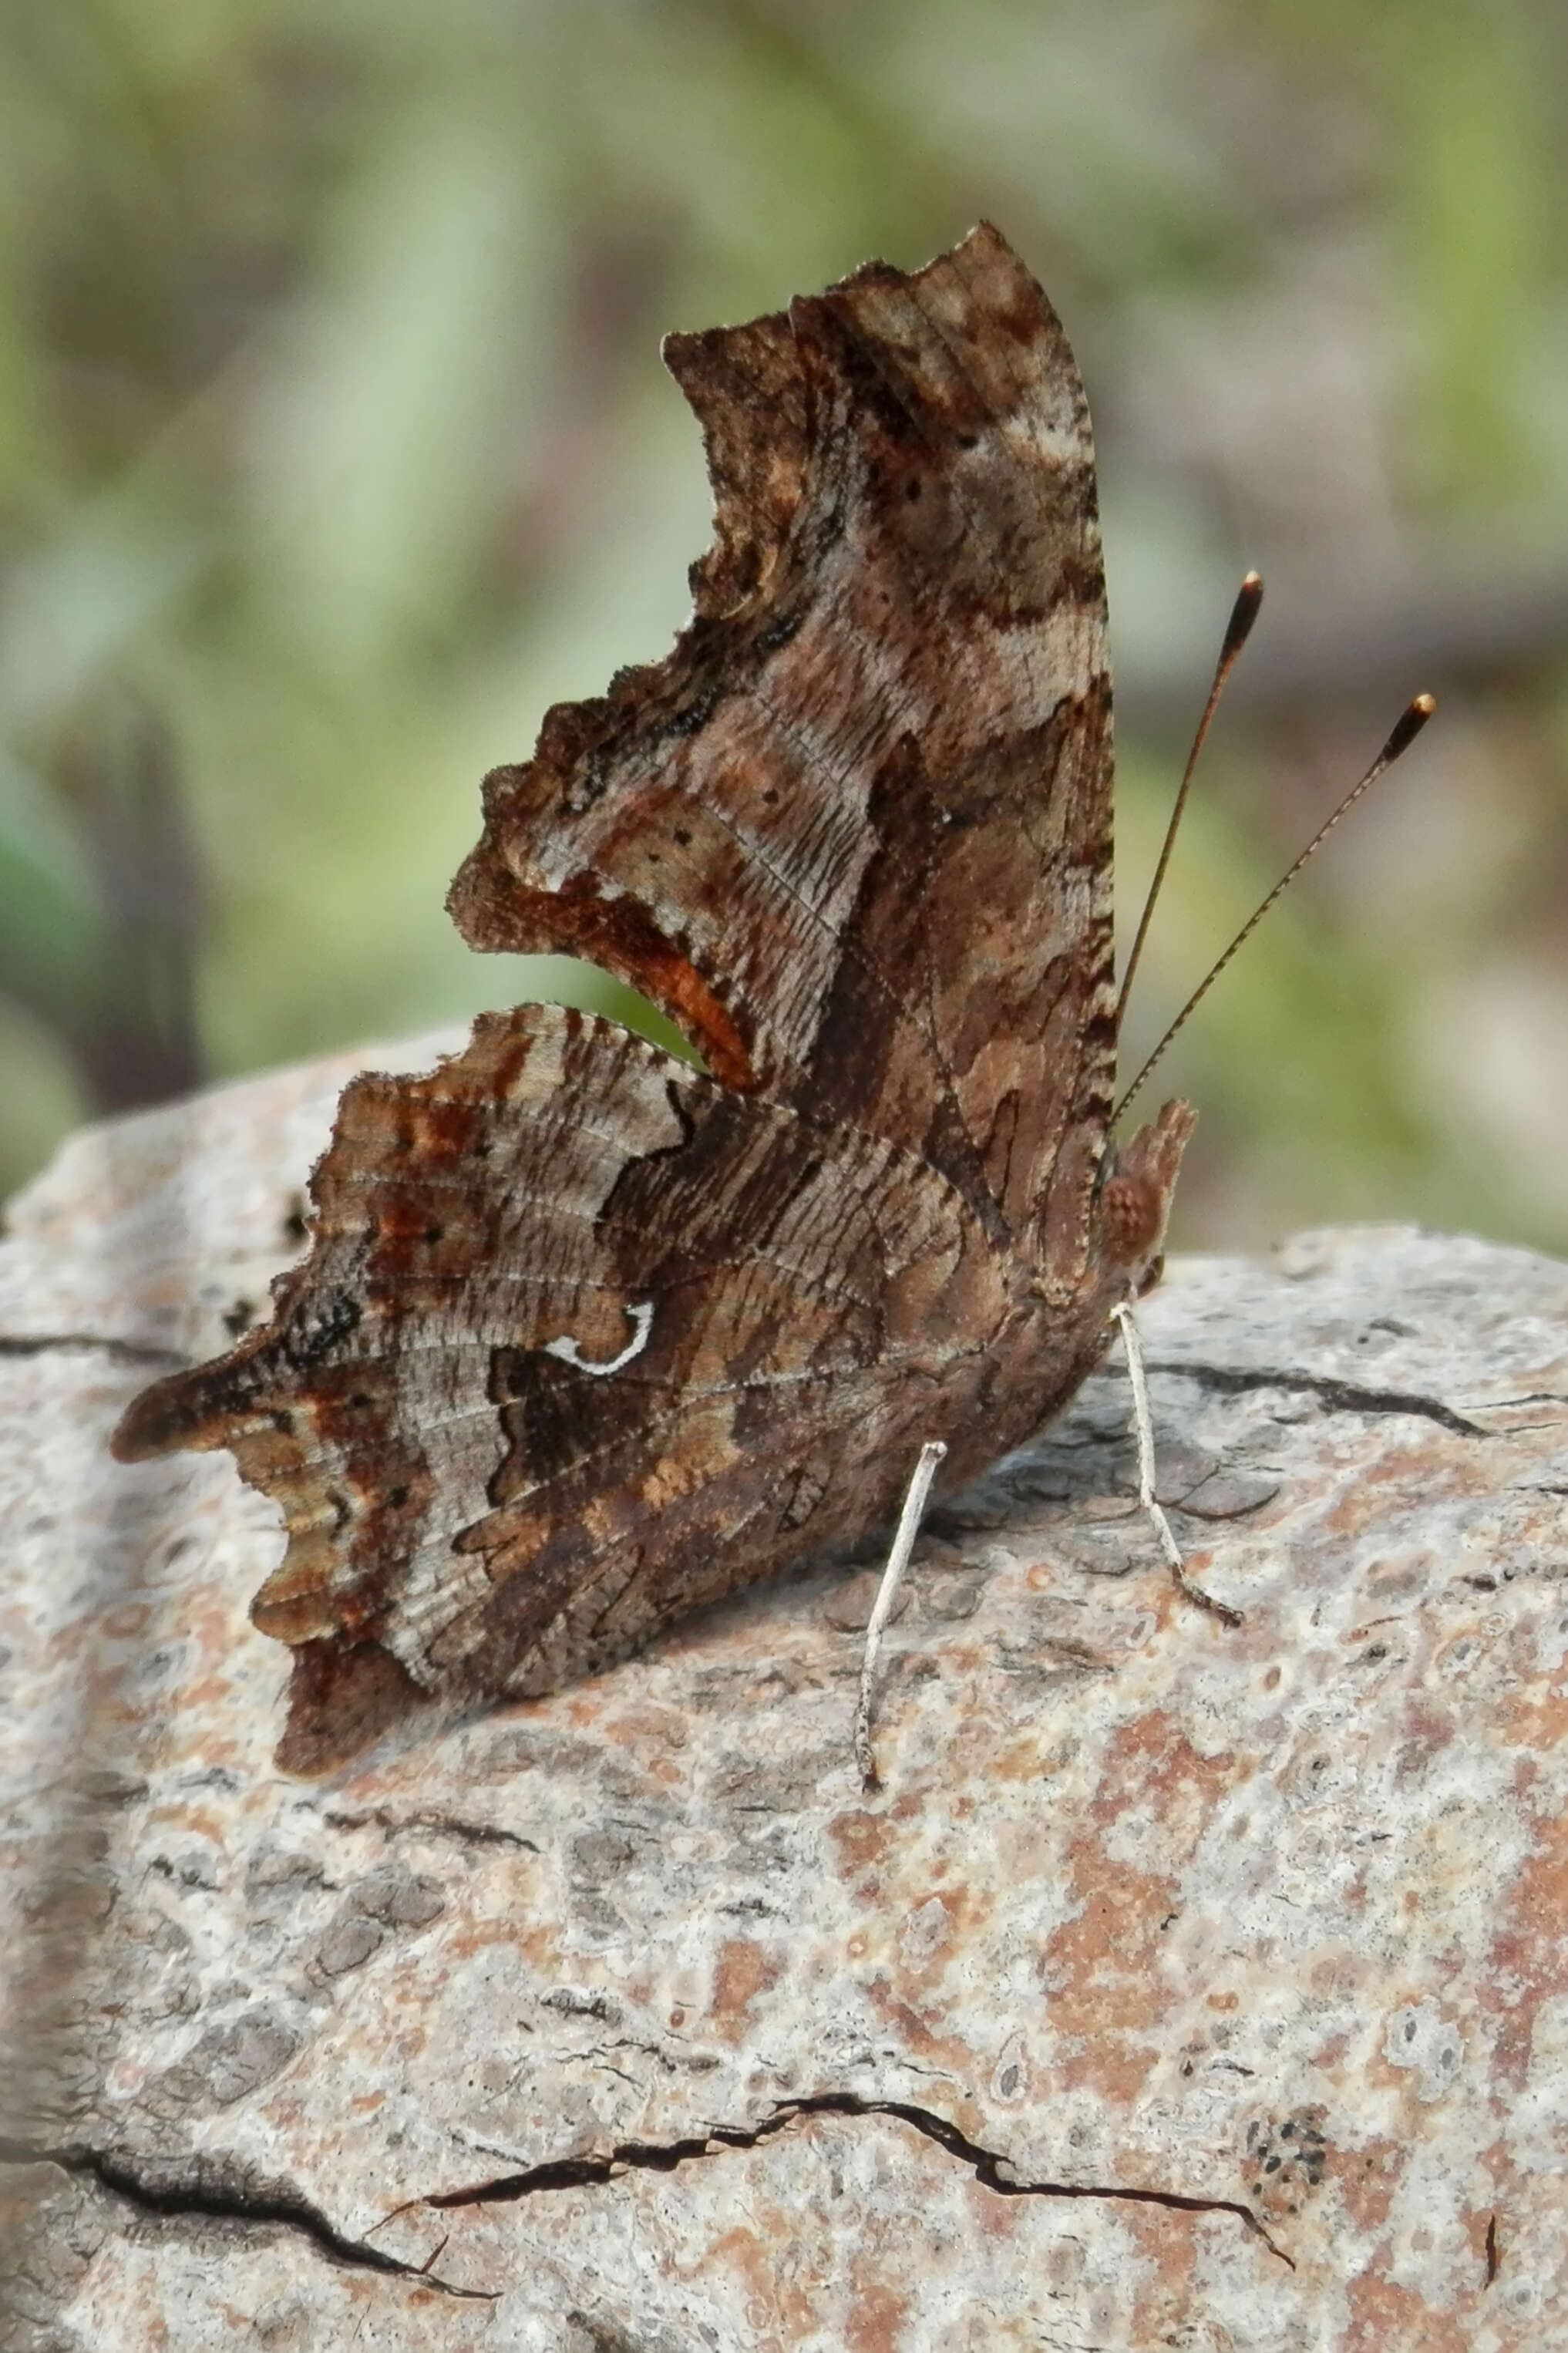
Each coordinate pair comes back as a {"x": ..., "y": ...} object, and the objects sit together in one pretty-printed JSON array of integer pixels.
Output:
[{"x": 586, "y": 1337}]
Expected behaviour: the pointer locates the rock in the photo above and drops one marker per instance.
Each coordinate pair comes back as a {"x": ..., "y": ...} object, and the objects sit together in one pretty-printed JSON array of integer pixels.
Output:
[{"x": 1183, "y": 1985}]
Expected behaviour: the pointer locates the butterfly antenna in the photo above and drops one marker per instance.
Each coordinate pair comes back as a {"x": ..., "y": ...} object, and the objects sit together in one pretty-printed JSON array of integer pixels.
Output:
[
  {"x": 1238, "y": 628},
  {"x": 1407, "y": 727}
]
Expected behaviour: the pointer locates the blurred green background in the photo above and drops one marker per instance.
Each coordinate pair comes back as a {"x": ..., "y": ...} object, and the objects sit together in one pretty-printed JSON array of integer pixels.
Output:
[{"x": 335, "y": 446}]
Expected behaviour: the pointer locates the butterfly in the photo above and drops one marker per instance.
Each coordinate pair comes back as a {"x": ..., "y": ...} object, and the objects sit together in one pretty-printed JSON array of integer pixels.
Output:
[{"x": 587, "y": 1336}]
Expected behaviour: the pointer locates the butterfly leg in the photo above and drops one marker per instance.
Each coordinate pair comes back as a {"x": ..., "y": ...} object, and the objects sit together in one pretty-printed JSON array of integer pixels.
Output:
[
  {"x": 1144, "y": 1426},
  {"x": 903, "y": 1544}
]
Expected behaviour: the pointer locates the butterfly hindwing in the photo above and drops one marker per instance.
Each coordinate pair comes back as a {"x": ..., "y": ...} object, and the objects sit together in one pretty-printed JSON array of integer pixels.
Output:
[{"x": 576, "y": 1324}]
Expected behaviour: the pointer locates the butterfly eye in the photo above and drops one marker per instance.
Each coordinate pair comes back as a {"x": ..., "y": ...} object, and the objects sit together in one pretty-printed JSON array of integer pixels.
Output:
[{"x": 1132, "y": 1214}]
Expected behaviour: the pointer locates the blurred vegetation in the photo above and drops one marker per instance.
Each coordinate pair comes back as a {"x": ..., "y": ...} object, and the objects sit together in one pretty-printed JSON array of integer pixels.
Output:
[{"x": 334, "y": 446}]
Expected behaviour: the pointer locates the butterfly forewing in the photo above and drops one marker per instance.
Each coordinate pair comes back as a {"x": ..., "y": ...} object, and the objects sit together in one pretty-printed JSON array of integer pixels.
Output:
[{"x": 855, "y": 832}]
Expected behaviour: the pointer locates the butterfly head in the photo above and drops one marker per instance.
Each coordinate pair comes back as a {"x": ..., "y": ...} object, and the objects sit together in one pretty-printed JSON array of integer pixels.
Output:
[{"x": 1133, "y": 1200}]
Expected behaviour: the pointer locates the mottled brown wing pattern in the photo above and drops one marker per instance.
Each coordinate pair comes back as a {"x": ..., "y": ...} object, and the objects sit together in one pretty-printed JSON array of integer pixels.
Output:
[
  {"x": 853, "y": 834},
  {"x": 577, "y": 1320},
  {"x": 586, "y": 1337}
]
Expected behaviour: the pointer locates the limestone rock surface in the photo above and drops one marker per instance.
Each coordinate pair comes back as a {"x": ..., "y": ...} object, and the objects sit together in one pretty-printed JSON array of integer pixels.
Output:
[{"x": 1183, "y": 1985}]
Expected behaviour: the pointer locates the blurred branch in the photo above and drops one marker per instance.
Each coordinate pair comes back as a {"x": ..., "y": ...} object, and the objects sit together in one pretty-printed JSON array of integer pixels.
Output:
[{"x": 109, "y": 967}]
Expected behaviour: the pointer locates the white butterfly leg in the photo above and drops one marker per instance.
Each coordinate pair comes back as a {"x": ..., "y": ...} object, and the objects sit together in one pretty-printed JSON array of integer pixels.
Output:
[
  {"x": 1146, "y": 1496},
  {"x": 903, "y": 1544}
]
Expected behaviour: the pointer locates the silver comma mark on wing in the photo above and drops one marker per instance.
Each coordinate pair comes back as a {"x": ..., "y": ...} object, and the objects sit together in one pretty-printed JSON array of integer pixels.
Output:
[{"x": 566, "y": 1348}]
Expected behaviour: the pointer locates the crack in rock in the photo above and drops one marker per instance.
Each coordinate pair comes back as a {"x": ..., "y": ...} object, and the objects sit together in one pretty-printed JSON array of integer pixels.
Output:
[
  {"x": 123, "y": 1352},
  {"x": 277, "y": 2205},
  {"x": 579, "y": 2172},
  {"x": 674, "y": 2062},
  {"x": 288, "y": 2208},
  {"x": 1532, "y": 1397},
  {"x": 431, "y": 1825},
  {"x": 1341, "y": 1397}
]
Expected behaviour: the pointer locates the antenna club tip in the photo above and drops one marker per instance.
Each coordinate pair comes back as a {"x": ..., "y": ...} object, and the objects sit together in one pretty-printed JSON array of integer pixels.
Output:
[
  {"x": 1243, "y": 614},
  {"x": 1407, "y": 727}
]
